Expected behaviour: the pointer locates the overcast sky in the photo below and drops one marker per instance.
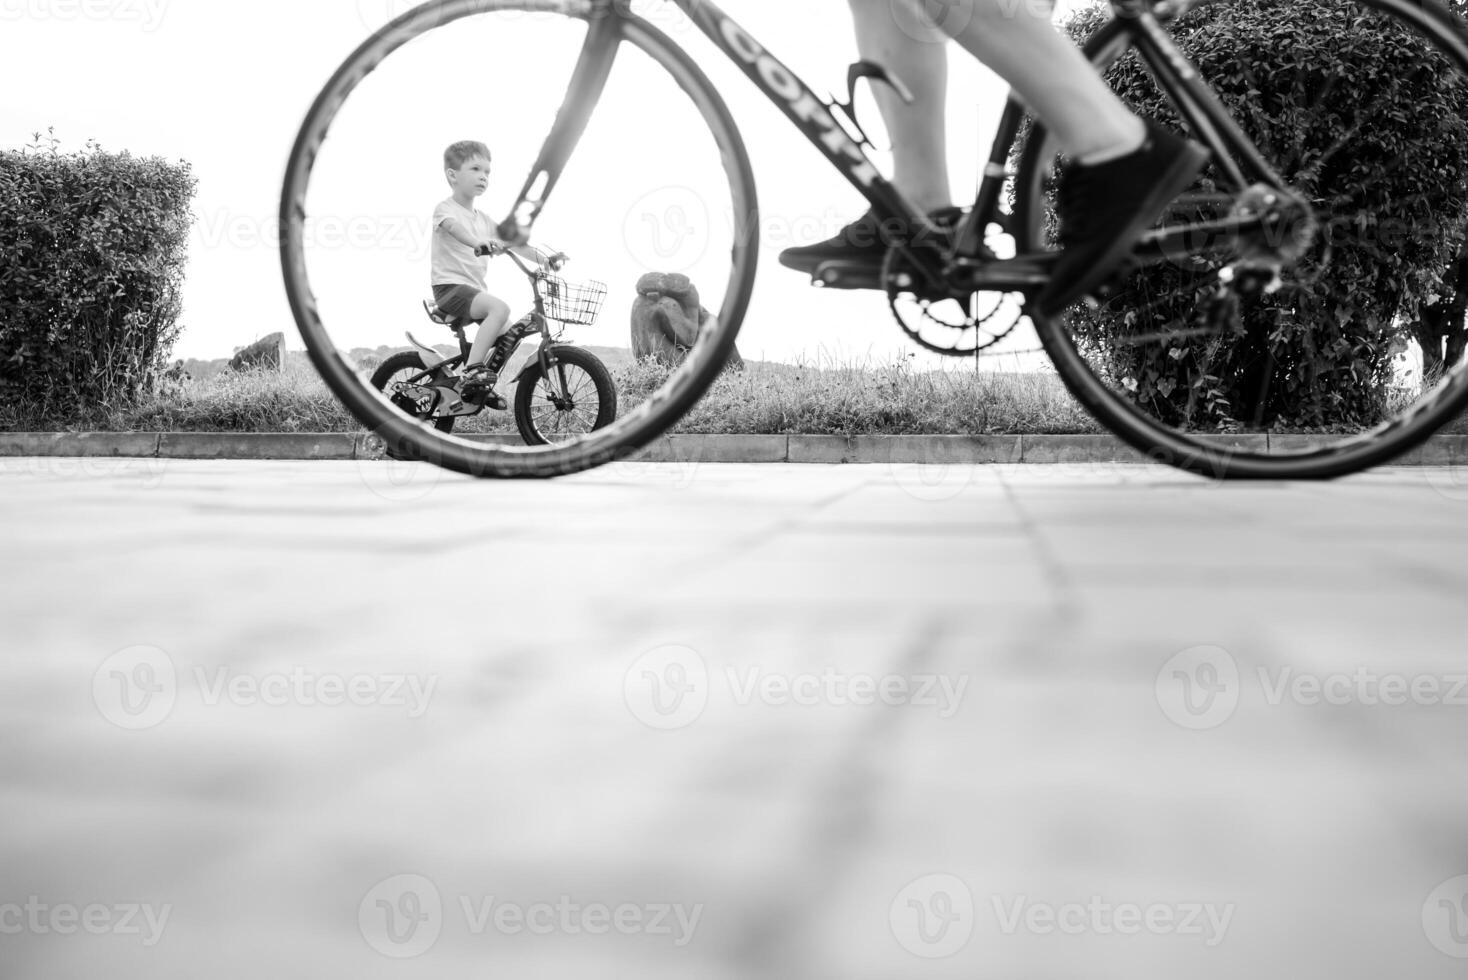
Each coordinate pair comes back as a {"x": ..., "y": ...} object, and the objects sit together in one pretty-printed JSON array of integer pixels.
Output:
[{"x": 224, "y": 86}]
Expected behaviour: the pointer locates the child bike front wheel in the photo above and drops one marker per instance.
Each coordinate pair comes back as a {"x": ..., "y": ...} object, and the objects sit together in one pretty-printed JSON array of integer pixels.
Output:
[{"x": 575, "y": 397}]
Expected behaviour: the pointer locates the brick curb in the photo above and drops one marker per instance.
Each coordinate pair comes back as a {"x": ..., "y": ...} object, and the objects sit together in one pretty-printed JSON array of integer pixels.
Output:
[{"x": 877, "y": 449}]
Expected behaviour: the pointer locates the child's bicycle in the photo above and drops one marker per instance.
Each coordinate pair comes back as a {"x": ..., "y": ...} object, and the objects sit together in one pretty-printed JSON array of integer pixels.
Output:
[
  {"x": 1324, "y": 232},
  {"x": 561, "y": 393}
]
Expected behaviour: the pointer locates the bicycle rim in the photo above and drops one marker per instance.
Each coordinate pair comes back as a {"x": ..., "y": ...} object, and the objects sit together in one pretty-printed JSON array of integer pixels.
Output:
[
  {"x": 647, "y": 60},
  {"x": 1331, "y": 374}
]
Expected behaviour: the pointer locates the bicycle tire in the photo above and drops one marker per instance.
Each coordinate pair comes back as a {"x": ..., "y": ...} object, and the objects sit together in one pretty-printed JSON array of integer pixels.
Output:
[
  {"x": 602, "y": 384},
  {"x": 1238, "y": 454},
  {"x": 637, "y": 427},
  {"x": 409, "y": 360}
]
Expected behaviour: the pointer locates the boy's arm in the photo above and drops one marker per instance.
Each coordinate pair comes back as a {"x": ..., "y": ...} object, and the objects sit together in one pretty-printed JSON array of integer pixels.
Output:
[{"x": 460, "y": 232}]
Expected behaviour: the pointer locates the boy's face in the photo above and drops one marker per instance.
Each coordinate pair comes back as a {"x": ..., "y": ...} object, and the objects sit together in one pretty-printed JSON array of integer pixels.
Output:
[{"x": 472, "y": 177}]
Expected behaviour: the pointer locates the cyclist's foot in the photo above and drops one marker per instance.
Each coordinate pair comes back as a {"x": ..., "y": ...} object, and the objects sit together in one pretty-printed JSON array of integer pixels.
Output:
[
  {"x": 478, "y": 388},
  {"x": 863, "y": 243},
  {"x": 1104, "y": 208}
]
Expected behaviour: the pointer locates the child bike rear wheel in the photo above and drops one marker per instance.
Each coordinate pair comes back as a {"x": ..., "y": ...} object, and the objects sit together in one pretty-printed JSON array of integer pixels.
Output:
[{"x": 401, "y": 369}]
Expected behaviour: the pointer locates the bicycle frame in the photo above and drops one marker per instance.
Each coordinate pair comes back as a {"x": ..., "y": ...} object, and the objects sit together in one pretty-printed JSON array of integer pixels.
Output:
[{"x": 1135, "y": 24}]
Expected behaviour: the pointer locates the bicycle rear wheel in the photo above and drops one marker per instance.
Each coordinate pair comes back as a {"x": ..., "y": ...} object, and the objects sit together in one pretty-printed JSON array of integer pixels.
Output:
[
  {"x": 1362, "y": 107},
  {"x": 622, "y": 153}
]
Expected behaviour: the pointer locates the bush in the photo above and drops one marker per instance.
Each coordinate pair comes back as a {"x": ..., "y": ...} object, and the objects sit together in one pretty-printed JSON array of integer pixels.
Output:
[
  {"x": 1300, "y": 76},
  {"x": 94, "y": 245}
]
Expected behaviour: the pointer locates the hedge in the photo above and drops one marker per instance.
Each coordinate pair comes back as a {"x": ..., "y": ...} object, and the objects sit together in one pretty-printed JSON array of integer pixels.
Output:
[
  {"x": 1298, "y": 75},
  {"x": 94, "y": 246}
]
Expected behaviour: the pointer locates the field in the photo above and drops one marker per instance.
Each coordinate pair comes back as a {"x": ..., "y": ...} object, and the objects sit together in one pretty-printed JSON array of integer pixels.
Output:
[{"x": 764, "y": 398}]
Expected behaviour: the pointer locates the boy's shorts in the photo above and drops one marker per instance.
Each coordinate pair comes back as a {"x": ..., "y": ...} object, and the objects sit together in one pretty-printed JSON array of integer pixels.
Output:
[{"x": 455, "y": 301}]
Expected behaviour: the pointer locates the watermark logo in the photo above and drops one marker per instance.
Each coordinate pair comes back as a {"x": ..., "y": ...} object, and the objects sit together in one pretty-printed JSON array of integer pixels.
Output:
[
  {"x": 1202, "y": 688},
  {"x": 147, "y": 14},
  {"x": 136, "y": 688},
  {"x": 405, "y": 916},
  {"x": 667, "y": 688},
  {"x": 1199, "y": 688},
  {"x": 933, "y": 478},
  {"x": 833, "y": 688},
  {"x": 1450, "y": 481},
  {"x": 671, "y": 687},
  {"x": 933, "y": 917},
  {"x": 932, "y": 21},
  {"x": 569, "y": 917},
  {"x": 1098, "y": 917},
  {"x": 1445, "y": 917},
  {"x": 402, "y": 917},
  {"x": 38, "y": 918},
  {"x": 668, "y": 230},
  {"x": 143, "y": 472},
  {"x": 393, "y": 478}
]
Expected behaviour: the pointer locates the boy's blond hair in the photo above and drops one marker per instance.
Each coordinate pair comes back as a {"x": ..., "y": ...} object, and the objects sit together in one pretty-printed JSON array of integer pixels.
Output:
[{"x": 455, "y": 155}]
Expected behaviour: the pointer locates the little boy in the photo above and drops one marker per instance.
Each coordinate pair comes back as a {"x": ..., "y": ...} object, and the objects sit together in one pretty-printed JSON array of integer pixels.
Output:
[{"x": 459, "y": 290}]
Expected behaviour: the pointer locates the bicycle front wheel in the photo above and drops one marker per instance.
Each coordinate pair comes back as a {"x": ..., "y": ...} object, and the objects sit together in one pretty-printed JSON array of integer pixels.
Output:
[
  {"x": 579, "y": 397},
  {"x": 607, "y": 141},
  {"x": 1362, "y": 107}
]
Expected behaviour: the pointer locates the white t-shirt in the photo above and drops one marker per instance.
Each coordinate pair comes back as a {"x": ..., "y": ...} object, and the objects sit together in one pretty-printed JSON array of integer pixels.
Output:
[{"x": 454, "y": 263}]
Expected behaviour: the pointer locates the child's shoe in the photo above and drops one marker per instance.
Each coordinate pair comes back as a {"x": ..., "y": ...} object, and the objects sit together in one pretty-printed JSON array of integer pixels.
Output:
[{"x": 478, "y": 387}]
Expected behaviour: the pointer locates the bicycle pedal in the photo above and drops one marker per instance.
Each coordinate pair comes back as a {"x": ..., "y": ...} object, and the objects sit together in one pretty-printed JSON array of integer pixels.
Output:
[{"x": 846, "y": 275}]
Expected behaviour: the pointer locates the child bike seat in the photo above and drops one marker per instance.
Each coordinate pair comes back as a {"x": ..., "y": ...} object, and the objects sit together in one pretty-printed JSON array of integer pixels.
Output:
[{"x": 440, "y": 317}]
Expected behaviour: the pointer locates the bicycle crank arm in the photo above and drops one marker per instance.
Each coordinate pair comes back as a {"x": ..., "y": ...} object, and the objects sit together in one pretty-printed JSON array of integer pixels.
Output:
[{"x": 1021, "y": 274}]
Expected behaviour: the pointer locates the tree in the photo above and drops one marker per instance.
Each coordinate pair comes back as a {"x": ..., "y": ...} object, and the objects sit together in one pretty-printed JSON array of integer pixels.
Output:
[{"x": 1371, "y": 125}]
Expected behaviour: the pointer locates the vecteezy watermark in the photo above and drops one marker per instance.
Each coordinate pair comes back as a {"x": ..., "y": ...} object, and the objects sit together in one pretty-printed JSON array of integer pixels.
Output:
[
  {"x": 1363, "y": 686},
  {"x": 148, "y": 14},
  {"x": 933, "y": 916},
  {"x": 667, "y": 687},
  {"x": 1198, "y": 688},
  {"x": 411, "y": 235},
  {"x": 1098, "y": 917},
  {"x": 404, "y": 917},
  {"x": 931, "y": 21},
  {"x": 38, "y": 918},
  {"x": 143, "y": 473},
  {"x": 666, "y": 16},
  {"x": 138, "y": 688},
  {"x": 668, "y": 229},
  {"x": 1445, "y": 917},
  {"x": 1202, "y": 687},
  {"x": 840, "y": 689},
  {"x": 670, "y": 687}
]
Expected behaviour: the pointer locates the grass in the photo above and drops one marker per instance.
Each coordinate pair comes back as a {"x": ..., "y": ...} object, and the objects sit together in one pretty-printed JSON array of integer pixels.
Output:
[{"x": 764, "y": 398}]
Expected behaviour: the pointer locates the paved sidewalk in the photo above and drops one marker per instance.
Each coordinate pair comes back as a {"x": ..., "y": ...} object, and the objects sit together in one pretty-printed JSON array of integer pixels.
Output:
[{"x": 362, "y": 720}]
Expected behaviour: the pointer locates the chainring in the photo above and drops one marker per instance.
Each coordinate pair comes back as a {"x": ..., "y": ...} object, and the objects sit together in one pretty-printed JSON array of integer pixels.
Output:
[{"x": 963, "y": 330}]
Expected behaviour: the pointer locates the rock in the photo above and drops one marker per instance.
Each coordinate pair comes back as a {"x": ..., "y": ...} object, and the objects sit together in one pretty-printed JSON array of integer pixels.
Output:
[
  {"x": 667, "y": 317},
  {"x": 266, "y": 353}
]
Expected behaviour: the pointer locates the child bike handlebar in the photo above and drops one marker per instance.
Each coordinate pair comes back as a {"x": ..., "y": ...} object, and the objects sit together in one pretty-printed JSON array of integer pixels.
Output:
[{"x": 555, "y": 262}]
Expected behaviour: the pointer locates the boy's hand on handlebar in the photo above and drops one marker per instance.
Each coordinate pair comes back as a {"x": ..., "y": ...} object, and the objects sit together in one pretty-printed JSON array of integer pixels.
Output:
[
  {"x": 557, "y": 261},
  {"x": 490, "y": 248}
]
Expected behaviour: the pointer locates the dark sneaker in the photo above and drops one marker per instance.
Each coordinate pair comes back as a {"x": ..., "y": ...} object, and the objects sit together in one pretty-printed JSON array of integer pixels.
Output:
[
  {"x": 1106, "y": 207},
  {"x": 864, "y": 242},
  {"x": 478, "y": 387}
]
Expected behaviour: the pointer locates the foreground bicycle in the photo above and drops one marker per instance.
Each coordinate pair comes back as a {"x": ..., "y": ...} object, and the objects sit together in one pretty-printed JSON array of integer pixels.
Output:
[
  {"x": 1308, "y": 234},
  {"x": 561, "y": 393}
]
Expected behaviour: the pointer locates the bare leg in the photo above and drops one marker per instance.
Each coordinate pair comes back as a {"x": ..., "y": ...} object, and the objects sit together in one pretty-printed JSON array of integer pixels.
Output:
[
  {"x": 918, "y": 131},
  {"x": 1019, "y": 42},
  {"x": 494, "y": 316}
]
